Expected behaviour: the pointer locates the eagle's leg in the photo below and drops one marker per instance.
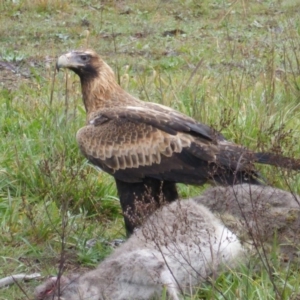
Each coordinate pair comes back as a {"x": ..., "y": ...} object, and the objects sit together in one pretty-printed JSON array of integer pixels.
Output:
[
  {"x": 139, "y": 199},
  {"x": 169, "y": 191}
]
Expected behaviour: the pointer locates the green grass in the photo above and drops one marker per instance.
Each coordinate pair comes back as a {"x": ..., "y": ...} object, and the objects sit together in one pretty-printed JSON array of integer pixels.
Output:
[{"x": 234, "y": 66}]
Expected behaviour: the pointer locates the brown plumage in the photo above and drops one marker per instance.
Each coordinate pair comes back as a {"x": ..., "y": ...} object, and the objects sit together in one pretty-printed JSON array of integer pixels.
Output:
[{"x": 149, "y": 147}]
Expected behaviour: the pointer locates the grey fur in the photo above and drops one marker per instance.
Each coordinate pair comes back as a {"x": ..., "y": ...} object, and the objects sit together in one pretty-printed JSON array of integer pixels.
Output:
[
  {"x": 256, "y": 213},
  {"x": 178, "y": 247}
]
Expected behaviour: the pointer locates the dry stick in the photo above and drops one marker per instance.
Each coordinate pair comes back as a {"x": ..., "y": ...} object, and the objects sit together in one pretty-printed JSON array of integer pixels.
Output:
[
  {"x": 87, "y": 41},
  {"x": 101, "y": 18},
  {"x": 143, "y": 84},
  {"x": 199, "y": 64},
  {"x": 62, "y": 235},
  {"x": 115, "y": 49},
  {"x": 288, "y": 63},
  {"x": 9, "y": 280},
  {"x": 160, "y": 85},
  {"x": 52, "y": 87},
  {"x": 63, "y": 243},
  {"x": 294, "y": 47},
  {"x": 66, "y": 97},
  {"x": 294, "y": 72},
  {"x": 244, "y": 9},
  {"x": 63, "y": 246},
  {"x": 229, "y": 11}
]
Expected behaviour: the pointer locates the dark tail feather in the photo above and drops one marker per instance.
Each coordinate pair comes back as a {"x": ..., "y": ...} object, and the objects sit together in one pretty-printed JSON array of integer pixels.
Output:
[{"x": 278, "y": 160}]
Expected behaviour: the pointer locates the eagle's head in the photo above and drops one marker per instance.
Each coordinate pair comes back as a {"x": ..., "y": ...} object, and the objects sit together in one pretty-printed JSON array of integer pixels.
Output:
[
  {"x": 86, "y": 64},
  {"x": 97, "y": 78}
]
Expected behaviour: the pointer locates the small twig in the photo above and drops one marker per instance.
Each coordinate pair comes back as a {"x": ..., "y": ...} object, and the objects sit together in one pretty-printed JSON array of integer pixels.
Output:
[
  {"x": 52, "y": 86},
  {"x": 229, "y": 11},
  {"x": 66, "y": 97},
  {"x": 18, "y": 277},
  {"x": 199, "y": 64}
]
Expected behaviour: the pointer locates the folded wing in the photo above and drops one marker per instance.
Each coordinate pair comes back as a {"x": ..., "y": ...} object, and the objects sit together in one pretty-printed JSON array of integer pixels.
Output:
[{"x": 133, "y": 143}]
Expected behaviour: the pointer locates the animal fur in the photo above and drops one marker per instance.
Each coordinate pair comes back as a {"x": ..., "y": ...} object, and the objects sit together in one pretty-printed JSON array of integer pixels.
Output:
[
  {"x": 257, "y": 214},
  {"x": 148, "y": 147},
  {"x": 178, "y": 247}
]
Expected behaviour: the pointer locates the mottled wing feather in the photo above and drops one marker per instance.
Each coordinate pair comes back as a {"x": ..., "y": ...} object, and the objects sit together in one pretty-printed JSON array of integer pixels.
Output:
[
  {"x": 134, "y": 142},
  {"x": 120, "y": 144}
]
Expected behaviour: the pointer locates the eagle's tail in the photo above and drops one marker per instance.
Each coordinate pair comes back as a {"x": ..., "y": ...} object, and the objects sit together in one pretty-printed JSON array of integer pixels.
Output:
[
  {"x": 229, "y": 176},
  {"x": 278, "y": 160}
]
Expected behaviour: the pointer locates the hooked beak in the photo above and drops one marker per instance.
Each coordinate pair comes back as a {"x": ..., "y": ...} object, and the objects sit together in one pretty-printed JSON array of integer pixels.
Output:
[
  {"x": 63, "y": 61},
  {"x": 69, "y": 60}
]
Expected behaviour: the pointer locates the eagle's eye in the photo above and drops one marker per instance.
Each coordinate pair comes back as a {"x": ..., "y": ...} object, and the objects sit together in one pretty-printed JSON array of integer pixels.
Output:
[{"x": 84, "y": 58}]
